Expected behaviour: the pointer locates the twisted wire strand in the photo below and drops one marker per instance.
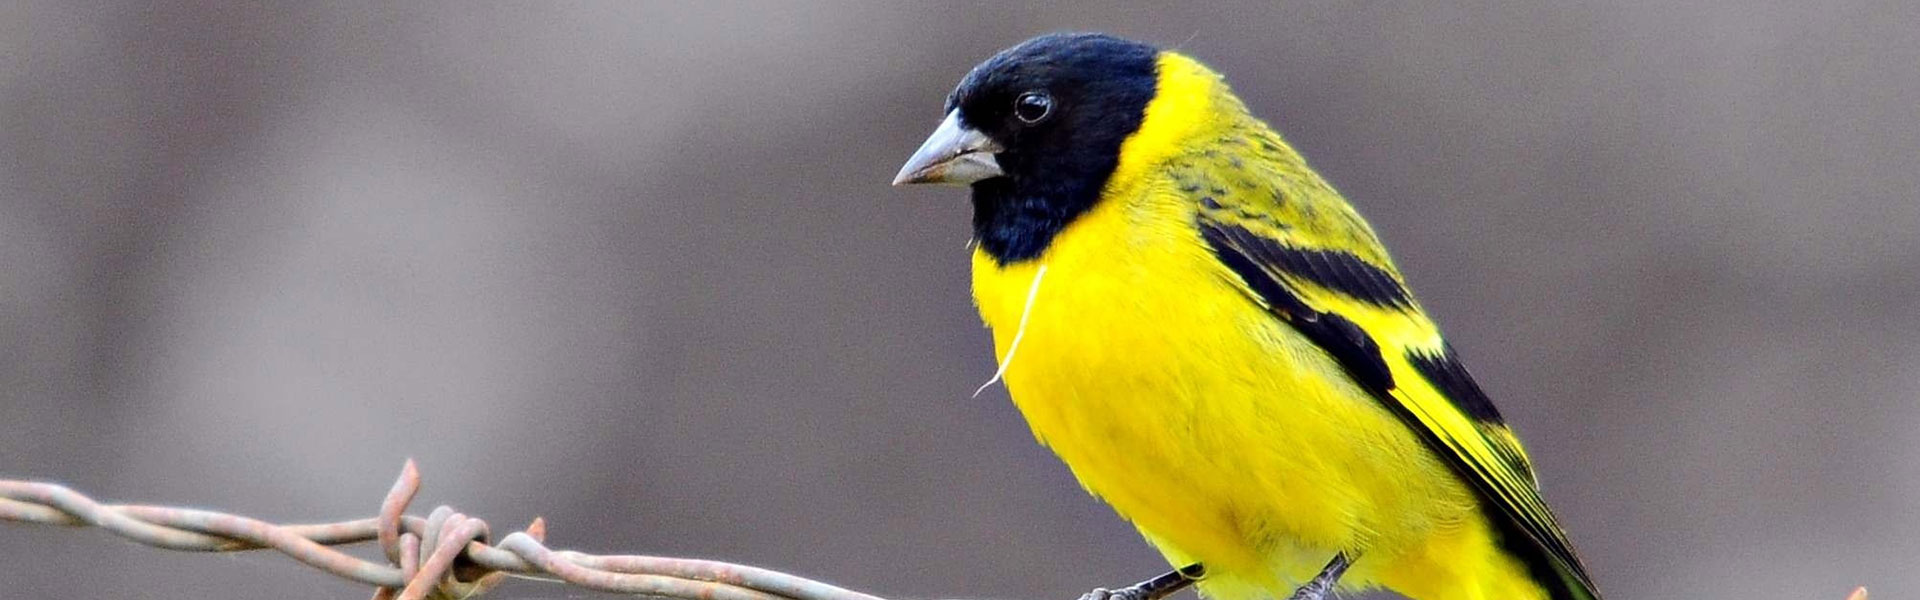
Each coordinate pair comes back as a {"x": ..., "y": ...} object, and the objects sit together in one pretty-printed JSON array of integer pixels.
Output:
[
  {"x": 445, "y": 555},
  {"x": 458, "y": 562}
]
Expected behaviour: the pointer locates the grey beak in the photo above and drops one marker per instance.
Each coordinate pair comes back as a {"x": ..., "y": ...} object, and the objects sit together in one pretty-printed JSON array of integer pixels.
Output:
[{"x": 955, "y": 154}]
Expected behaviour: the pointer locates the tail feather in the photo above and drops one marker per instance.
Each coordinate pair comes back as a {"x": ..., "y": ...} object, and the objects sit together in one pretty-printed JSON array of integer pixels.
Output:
[{"x": 1561, "y": 580}]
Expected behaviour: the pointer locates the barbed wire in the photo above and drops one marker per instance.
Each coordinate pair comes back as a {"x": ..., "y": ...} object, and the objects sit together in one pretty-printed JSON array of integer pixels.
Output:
[
  {"x": 445, "y": 555},
  {"x": 459, "y": 562}
]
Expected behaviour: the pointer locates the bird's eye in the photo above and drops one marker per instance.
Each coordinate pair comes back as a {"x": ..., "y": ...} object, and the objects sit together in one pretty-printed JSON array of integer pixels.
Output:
[{"x": 1032, "y": 107}]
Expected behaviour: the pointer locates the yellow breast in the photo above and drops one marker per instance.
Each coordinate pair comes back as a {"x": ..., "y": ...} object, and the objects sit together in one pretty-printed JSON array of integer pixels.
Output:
[{"x": 1162, "y": 387}]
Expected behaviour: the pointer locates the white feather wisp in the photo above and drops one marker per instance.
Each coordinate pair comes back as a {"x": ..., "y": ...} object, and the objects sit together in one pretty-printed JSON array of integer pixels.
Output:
[{"x": 1033, "y": 291}]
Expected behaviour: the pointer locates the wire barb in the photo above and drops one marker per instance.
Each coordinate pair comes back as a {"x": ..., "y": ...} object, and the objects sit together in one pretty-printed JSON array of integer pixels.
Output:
[{"x": 446, "y": 555}]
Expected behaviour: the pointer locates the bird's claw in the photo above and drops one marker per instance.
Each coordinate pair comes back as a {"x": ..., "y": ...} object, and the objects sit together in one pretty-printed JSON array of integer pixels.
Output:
[
  {"x": 1313, "y": 590},
  {"x": 1152, "y": 589},
  {"x": 1322, "y": 584},
  {"x": 1125, "y": 593}
]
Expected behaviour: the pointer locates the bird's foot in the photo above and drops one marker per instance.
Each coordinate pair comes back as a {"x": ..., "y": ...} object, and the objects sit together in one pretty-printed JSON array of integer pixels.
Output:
[
  {"x": 1151, "y": 589},
  {"x": 1125, "y": 593},
  {"x": 1322, "y": 585}
]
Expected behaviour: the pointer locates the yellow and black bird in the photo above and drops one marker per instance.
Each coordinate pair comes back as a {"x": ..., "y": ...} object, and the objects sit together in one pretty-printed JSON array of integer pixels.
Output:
[{"x": 1218, "y": 345}]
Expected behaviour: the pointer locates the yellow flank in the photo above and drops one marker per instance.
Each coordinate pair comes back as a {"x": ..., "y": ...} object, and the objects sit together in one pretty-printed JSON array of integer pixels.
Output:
[{"x": 1222, "y": 433}]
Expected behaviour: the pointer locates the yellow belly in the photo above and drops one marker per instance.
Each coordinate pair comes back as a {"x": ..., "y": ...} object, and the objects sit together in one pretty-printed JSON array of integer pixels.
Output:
[{"x": 1217, "y": 430}]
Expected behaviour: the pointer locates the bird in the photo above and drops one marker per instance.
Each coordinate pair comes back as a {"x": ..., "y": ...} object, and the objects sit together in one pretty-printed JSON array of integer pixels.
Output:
[{"x": 1218, "y": 345}]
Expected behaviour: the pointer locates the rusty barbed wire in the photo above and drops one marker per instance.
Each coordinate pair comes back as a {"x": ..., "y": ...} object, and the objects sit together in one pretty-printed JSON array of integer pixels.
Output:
[
  {"x": 445, "y": 555},
  {"x": 459, "y": 562}
]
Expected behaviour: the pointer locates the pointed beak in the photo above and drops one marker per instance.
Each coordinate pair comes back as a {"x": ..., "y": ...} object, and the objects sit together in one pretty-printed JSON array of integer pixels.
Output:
[{"x": 955, "y": 154}]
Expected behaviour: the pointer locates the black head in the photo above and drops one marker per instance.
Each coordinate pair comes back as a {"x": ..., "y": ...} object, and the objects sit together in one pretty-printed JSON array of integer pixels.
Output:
[{"x": 1037, "y": 130}]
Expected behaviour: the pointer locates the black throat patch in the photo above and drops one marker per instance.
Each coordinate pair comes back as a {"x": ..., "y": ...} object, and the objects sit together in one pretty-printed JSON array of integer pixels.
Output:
[{"x": 1055, "y": 169}]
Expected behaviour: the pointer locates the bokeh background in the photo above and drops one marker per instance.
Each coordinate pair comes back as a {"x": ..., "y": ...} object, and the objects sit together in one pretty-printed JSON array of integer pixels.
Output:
[{"x": 636, "y": 268}]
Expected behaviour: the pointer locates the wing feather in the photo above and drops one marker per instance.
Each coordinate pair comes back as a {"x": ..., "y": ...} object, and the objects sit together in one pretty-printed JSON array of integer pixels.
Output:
[{"x": 1361, "y": 314}]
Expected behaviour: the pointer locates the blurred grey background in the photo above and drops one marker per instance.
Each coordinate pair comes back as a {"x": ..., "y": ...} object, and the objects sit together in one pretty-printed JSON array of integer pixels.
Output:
[{"x": 636, "y": 268}]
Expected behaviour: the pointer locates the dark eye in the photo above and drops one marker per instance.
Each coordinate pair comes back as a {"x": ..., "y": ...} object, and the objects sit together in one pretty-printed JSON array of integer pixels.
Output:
[{"x": 1032, "y": 107}]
